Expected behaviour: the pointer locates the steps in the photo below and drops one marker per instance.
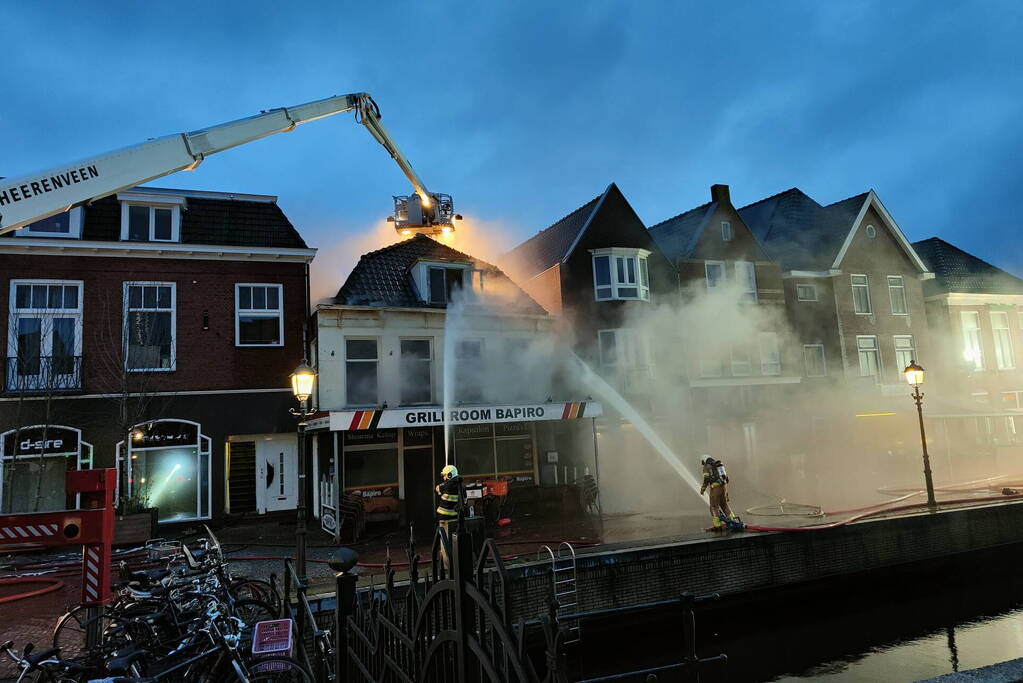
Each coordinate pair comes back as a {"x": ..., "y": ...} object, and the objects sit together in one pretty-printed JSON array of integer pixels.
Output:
[{"x": 565, "y": 588}]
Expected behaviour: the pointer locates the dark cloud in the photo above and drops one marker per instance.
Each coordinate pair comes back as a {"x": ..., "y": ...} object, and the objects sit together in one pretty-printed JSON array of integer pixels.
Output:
[{"x": 525, "y": 110}]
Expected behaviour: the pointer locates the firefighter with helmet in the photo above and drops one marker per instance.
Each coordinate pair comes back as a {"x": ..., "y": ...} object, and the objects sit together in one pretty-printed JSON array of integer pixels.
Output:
[
  {"x": 450, "y": 492},
  {"x": 715, "y": 479}
]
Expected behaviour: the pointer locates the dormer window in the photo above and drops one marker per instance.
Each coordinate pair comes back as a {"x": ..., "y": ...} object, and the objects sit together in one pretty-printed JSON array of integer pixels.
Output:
[
  {"x": 437, "y": 282},
  {"x": 65, "y": 224},
  {"x": 621, "y": 273},
  {"x": 150, "y": 218}
]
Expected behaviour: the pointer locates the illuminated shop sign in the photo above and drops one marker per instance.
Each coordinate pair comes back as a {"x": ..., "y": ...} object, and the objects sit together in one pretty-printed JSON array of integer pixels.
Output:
[
  {"x": 41, "y": 440},
  {"x": 164, "y": 433},
  {"x": 389, "y": 418}
]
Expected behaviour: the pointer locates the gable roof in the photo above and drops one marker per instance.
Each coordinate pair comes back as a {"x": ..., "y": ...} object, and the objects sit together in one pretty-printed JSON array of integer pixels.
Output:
[
  {"x": 678, "y": 235},
  {"x": 211, "y": 218},
  {"x": 798, "y": 232},
  {"x": 384, "y": 277},
  {"x": 958, "y": 271},
  {"x": 554, "y": 243}
]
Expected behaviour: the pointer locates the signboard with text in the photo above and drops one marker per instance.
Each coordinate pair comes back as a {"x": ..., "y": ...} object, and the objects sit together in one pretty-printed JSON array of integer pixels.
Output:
[
  {"x": 41, "y": 440},
  {"x": 390, "y": 418}
]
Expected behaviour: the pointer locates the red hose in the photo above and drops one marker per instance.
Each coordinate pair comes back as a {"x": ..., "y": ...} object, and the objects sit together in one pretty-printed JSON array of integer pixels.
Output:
[
  {"x": 833, "y": 525},
  {"x": 52, "y": 585}
]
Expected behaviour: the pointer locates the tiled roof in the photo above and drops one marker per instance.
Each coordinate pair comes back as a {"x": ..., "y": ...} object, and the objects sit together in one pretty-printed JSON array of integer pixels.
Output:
[
  {"x": 231, "y": 222},
  {"x": 384, "y": 277},
  {"x": 798, "y": 232},
  {"x": 677, "y": 236},
  {"x": 958, "y": 271},
  {"x": 550, "y": 245}
]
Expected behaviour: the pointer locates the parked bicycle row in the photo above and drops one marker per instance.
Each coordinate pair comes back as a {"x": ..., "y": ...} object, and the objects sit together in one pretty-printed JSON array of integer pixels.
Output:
[{"x": 187, "y": 620}]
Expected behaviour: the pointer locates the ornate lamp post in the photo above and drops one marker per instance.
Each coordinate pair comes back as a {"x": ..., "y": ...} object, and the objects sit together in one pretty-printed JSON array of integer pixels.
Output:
[
  {"x": 915, "y": 377},
  {"x": 303, "y": 380}
]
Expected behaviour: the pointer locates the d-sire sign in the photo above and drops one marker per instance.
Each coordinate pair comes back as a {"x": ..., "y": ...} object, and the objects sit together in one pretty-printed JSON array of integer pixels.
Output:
[{"x": 389, "y": 418}]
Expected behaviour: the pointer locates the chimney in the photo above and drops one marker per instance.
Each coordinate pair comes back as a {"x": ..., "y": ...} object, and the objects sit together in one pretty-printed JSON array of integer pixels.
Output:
[{"x": 719, "y": 194}]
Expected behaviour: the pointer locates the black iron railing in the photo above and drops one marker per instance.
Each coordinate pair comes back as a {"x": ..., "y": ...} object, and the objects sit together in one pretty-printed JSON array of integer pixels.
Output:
[
  {"x": 42, "y": 374},
  {"x": 313, "y": 645}
]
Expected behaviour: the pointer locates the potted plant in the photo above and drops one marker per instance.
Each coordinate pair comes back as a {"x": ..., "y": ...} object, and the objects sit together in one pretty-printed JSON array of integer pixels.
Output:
[{"x": 136, "y": 519}]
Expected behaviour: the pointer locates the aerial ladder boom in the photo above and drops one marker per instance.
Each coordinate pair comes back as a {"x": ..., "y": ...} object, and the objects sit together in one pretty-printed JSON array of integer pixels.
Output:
[{"x": 35, "y": 196}]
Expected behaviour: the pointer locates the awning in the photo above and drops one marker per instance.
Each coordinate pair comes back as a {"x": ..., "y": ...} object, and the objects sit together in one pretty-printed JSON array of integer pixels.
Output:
[{"x": 429, "y": 416}]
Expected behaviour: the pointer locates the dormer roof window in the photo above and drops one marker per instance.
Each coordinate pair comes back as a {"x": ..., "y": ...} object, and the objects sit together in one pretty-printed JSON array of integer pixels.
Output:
[
  {"x": 438, "y": 282},
  {"x": 149, "y": 217},
  {"x": 64, "y": 224}
]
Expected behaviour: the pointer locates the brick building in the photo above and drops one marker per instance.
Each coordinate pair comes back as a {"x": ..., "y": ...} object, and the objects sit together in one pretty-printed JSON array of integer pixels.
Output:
[{"x": 154, "y": 329}]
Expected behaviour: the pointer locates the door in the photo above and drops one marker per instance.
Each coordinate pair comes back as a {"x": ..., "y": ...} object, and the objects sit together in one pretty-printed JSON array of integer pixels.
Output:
[
  {"x": 277, "y": 478},
  {"x": 420, "y": 504},
  {"x": 241, "y": 478}
]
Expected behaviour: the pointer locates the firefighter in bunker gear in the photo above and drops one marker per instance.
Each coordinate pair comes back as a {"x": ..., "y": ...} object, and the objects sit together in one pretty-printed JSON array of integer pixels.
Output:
[
  {"x": 715, "y": 478},
  {"x": 450, "y": 492}
]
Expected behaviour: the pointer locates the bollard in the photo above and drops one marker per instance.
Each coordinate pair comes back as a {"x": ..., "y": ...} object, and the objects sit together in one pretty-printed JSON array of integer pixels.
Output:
[{"x": 342, "y": 561}]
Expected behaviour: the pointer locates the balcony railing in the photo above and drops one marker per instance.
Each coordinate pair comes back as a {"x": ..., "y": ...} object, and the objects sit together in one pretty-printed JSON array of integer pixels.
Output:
[{"x": 42, "y": 374}]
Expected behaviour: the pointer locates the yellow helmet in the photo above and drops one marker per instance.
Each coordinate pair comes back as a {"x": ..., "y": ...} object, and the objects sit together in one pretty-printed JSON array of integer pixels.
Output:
[{"x": 449, "y": 470}]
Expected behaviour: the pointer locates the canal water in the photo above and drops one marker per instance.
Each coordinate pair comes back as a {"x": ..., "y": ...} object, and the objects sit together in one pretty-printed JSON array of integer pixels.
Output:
[{"x": 908, "y": 624}]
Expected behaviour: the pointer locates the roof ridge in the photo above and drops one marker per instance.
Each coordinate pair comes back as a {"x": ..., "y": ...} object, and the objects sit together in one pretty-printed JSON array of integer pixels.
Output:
[
  {"x": 778, "y": 194},
  {"x": 679, "y": 215},
  {"x": 852, "y": 196}
]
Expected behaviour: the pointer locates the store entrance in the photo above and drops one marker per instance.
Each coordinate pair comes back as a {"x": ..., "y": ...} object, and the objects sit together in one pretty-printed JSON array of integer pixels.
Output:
[{"x": 419, "y": 495}]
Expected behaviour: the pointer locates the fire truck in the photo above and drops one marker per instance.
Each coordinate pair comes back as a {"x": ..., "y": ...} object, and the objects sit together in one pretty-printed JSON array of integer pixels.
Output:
[{"x": 32, "y": 197}]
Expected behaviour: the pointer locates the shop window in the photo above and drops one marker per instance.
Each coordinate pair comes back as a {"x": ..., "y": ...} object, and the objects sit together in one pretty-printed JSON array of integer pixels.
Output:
[
  {"x": 34, "y": 462},
  {"x": 64, "y": 224},
  {"x": 371, "y": 468},
  {"x": 45, "y": 340},
  {"x": 475, "y": 457},
  {"x": 621, "y": 273},
  {"x": 469, "y": 371},
  {"x": 813, "y": 359},
  {"x": 861, "y": 294},
  {"x": 259, "y": 315},
  {"x": 168, "y": 466},
  {"x": 149, "y": 323},
  {"x": 361, "y": 362},
  {"x": 416, "y": 371},
  {"x": 897, "y": 295}
]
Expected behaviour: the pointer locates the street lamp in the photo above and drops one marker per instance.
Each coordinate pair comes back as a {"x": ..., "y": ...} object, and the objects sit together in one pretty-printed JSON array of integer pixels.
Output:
[
  {"x": 915, "y": 377},
  {"x": 303, "y": 381}
]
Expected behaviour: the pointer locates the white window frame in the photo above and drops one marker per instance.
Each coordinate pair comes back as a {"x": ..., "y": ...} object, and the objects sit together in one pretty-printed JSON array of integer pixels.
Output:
[
  {"x": 747, "y": 279},
  {"x": 1005, "y": 358},
  {"x": 482, "y": 398},
  {"x": 641, "y": 270},
  {"x": 376, "y": 361},
  {"x": 706, "y": 273},
  {"x": 900, "y": 286},
  {"x": 632, "y": 365},
  {"x": 973, "y": 347},
  {"x": 769, "y": 367},
  {"x": 811, "y": 287},
  {"x": 877, "y": 354},
  {"x": 901, "y": 351},
  {"x": 866, "y": 288},
  {"x": 1015, "y": 399},
  {"x": 726, "y": 231},
  {"x": 14, "y": 313},
  {"x": 430, "y": 360},
  {"x": 823, "y": 356},
  {"x": 742, "y": 348},
  {"x": 258, "y": 313},
  {"x": 174, "y": 323},
  {"x": 74, "y": 228},
  {"x": 174, "y": 204}
]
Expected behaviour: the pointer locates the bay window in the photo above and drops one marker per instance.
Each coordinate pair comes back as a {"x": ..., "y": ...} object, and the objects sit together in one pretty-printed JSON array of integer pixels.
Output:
[{"x": 620, "y": 273}]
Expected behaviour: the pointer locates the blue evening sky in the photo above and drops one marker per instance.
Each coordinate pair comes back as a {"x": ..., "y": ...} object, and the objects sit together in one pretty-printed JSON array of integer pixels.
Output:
[{"x": 524, "y": 110}]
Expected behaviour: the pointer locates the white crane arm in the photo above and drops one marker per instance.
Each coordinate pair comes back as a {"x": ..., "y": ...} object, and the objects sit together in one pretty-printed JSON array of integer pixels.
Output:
[{"x": 31, "y": 197}]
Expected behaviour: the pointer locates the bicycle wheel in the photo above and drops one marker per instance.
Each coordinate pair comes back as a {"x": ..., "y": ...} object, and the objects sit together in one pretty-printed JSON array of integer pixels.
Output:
[
  {"x": 275, "y": 669},
  {"x": 256, "y": 589},
  {"x": 252, "y": 612}
]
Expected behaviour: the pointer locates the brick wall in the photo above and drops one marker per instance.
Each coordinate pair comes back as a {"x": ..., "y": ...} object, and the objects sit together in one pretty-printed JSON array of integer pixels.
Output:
[{"x": 206, "y": 359}]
